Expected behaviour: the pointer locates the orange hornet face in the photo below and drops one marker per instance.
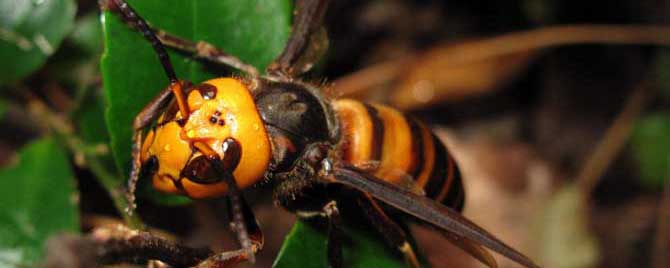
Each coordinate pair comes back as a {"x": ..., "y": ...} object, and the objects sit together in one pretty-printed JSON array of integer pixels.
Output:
[{"x": 221, "y": 109}]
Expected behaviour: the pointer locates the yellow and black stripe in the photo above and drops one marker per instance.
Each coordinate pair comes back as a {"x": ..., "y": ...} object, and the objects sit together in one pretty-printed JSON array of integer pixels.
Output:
[{"x": 395, "y": 147}]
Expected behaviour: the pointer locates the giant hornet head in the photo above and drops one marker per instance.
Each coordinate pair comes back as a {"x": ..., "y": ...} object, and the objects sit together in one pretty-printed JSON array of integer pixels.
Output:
[{"x": 222, "y": 117}]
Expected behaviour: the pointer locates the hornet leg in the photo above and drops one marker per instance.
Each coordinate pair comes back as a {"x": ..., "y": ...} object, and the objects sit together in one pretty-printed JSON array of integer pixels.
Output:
[
  {"x": 392, "y": 233},
  {"x": 243, "y": 222},
  {"x": 335, "y": 233}
]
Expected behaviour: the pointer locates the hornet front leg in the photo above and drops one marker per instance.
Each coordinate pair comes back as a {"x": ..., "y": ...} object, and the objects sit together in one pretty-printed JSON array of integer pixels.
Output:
[{"x": 243, "y": 222}]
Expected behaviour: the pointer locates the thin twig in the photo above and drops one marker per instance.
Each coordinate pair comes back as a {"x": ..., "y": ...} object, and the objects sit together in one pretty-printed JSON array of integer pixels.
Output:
[
  {"x": 115, "y": 245},
  {"x": 138, "y": 247},
  {"x": 613, "y": 140},
  {"x": 373, "y": 76},
  {"x": 507, "y": 44},
  {"x": 553, "y": 36}
]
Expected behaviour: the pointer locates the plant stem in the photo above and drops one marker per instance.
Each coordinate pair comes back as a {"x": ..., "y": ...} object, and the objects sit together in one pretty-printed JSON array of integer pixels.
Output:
[
  {"x": 63, "y": 130},
  {"x": 110, "y": 182}
]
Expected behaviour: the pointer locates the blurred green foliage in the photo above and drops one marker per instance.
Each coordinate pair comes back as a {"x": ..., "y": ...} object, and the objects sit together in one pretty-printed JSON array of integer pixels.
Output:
[
  {"x": 651, "y": 148},
  {"x": 30, "y": 32},
  {"x": 37, "y": 199}
]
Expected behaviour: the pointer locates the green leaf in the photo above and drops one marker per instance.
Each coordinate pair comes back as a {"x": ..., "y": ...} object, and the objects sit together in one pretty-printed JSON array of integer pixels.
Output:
[
  {"x": 651, "y": 148},
  {"x": 87, "y": 34},
  {"x": 37, "y": 200},
  {"x": 4, "y": 105},
  {"x": 254, "y": 30},
  {"x": 87, "y": 118},
  {"x": 75, "y": 65},
  {"x": 30, "y": 31},
  {"x": 91, "y": 129},
  {"x": 305, "y": 247}
]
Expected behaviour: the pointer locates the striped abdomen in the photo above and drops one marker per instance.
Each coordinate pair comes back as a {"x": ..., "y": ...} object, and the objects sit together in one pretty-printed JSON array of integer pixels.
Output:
[{"x": 398, "y": 149}]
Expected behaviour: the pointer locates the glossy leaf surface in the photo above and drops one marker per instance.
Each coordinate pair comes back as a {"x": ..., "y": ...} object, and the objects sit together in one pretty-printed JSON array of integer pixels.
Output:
[{"x": 305, "y": 246}]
